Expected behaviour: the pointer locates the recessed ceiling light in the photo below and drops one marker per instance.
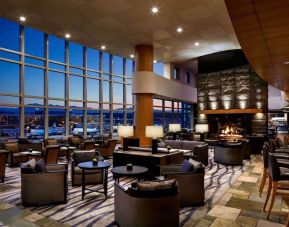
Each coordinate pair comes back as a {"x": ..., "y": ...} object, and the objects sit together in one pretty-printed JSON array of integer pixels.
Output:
[
  {"x": 132, "y": 56},
  {"x": 22, "y": 18},
  {"x": 67, "y": 36},
  {"x": 179, "y": 29},
  {"x": 155, "y": 61},
  {"x": 103, "y": 47},
  {"x": 196, "y": 44},
  {"x": 155, "y": 9},
  {"x": 286, "y": 62}
]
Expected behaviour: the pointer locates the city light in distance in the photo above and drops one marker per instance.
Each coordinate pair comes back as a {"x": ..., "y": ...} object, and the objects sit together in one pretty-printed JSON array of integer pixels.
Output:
[
  {"x": 22, "y": 18},
  {"x": 155, "y": 61}
]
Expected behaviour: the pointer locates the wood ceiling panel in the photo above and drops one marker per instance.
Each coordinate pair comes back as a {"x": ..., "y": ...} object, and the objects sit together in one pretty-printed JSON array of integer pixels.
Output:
[{"x": 262, "y": 30}]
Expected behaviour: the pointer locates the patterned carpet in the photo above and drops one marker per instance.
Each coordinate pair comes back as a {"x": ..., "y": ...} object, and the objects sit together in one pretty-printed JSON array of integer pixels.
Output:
[{"x": 94, "y": 210}]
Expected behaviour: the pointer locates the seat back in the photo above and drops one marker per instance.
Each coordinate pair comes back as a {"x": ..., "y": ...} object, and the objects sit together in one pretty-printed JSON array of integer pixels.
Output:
[
  {"x": 13, "y": 147},
  {"x": 74, "y": 141},
  {"x": 88, "y": 145},
  {"x": 82, "y": 156},
  {"x": 265, "y": 155},
  {"x": 3, "y": 158},
  {"x": 51, "y": 154},
  {"x": 273, "y": 168},
  {"x": 50, "y": 141}
]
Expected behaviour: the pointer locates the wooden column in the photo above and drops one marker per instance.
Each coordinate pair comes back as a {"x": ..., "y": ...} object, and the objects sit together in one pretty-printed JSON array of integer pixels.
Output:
[{"x": 144, "y": 102}]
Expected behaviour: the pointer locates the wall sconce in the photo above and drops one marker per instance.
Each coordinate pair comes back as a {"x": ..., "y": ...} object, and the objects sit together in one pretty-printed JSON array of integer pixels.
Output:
[
  {"x": 242, "y": 104},
  {"x": 214, "y": 105}
]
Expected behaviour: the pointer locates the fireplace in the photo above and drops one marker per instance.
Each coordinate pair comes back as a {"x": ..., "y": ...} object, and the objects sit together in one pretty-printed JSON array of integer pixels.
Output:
[{"x": 230, "y": 127}]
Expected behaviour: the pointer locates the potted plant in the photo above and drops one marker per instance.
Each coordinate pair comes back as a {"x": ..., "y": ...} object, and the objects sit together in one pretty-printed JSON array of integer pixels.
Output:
[
  {"x": 129, "y": 166},
  {"x": 169, "y": 148},
  {"x": 94, "y": 160}
]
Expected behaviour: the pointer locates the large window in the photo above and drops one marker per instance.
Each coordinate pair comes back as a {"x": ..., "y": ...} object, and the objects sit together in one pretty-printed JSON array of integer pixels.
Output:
[
  {"x": 67, "y": 83},
  {"x": 159, "y": 68}
]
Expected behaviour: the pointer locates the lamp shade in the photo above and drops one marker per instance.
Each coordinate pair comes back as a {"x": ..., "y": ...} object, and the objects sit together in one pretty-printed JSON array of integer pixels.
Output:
[
  {"x": 154, "y": 131},
  {"x": 202, "y": 127},
  {"x": 175, "y": 127},
  {"x": 125, "y": 131}
]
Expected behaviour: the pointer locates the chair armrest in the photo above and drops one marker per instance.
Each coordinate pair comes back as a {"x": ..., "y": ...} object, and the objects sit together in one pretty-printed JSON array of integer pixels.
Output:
[
  {"x": 169, "y": 169},
  {"x": 56, "y": 167},
  {"x": 119, "y": 186},
  {"x": 283, "y": 162}
]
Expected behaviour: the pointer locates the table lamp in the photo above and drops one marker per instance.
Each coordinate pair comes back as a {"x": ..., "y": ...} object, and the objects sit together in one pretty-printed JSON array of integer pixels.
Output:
[
  {"x": 154, "y": 132},
  {"x": 125, "y": 132},
  {"x": 202, "y": 128},
  {"x": 174, "y": 128}
]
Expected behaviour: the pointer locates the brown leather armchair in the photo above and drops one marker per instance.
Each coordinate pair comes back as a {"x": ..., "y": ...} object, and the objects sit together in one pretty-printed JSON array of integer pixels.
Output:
[
  {"x": 91, "y": 176},
  {"x": 150, "y": 209},
  {"x": 74, "y": 141},
  {"x": 14, "y": 156},
  {"x": 191, "y": 184},
  {"x": 51, "y": 154},
  {"x": 87, "y": 145},
  {"x": 107, "y": 149},
  {"x": 3, "y": 158},
  {"x": 44, "y": 188}
]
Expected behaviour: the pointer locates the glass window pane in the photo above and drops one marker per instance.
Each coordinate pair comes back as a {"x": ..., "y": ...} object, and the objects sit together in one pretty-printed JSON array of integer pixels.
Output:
[
  {"x": 56, "y": 85},
  {"x": 105, "y": 86},
  {"x": 55, "y": 103},
  {"x": 56, "y": 122},
  {"x": 92, "y": 59},
  {"x": 92, "y": 90},
  {"x": 75, "y": 54},
  {"x": 34, "y": 42},
  {"x": 9, "y": 122},
  {"x": 34, "y": 81},
  {"x": 158, "y": 116},
  {"x": 106, "y": 118},
  {"x": 76, "y": 87},
  {"x": 159, "y": 68},
  {"x": 34, "y": 61},
  {"x": 33, "y": 102},
  {"x": 10, "y": 75},
  {"x": 128, "y": 94},
  {"x": 117, "y": 93},
  {"x": 73, "y": 104},
  {"x": 118, "y": 115},
  {"x": 105, "y": 62},
  {"x": 8, "y": 55},
  {"x": 34, "y": 122},
  {"x": 118, "y": 79},
  {"x": 92, "y": 74},
  {"x": 93, "y": 117},
  {"x": 129, "y": 68},
  {"x": 117, "y": 66},
  {"x": 56, "y": 49},
  {"x": 75, "y": 71},
  {"x": 9, "y": 100},
  {"x": 129, "y": 115},
  {"x": 10, "y": 35},
  {"x": 76, "y": 122},
  {"x": 56, "y": 66}
]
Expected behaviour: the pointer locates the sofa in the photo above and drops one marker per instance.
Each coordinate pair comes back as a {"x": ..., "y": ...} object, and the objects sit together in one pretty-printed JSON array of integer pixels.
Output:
[
  {"x": 146, "y": 208},
  {"x": 198, "y": 150},
  {"x": 44, "y": 188},
  {"x": 191, "y": 183}
]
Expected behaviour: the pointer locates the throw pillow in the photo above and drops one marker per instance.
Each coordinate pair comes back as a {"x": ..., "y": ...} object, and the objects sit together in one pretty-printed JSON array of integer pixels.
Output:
[
  {"x": 186, "y": 166},
  {"x": 196, "y": 166},
  {"x": 155, "y": 185},
  {"x": 28, "y": 167},
  {"x": 161, "y": 144},
  {"x": 40, "y": 166}
]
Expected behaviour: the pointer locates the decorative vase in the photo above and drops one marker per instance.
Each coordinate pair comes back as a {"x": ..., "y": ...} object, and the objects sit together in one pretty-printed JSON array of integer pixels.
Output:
[{"x": 129, "y": 166}]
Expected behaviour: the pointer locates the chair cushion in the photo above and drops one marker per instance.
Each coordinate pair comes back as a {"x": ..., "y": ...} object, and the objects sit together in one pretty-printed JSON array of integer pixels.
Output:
[
  {"x": 176, "y": 144},
  {"x": 40, "y": 166},
  {"x": 153, "y": 185},
  {"x": 28, "y": 167},
  {"x": 186, "y": 166}
]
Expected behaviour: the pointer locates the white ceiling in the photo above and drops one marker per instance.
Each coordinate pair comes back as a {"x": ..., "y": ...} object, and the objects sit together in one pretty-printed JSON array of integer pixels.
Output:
[{"x": 122, "y": 24}]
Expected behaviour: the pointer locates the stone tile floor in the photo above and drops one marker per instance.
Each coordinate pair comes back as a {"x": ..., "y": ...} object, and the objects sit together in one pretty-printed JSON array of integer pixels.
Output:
[{"x": 239, "y": 206}]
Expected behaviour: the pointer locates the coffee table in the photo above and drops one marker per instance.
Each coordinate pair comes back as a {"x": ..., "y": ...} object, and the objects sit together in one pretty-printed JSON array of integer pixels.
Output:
[
  {"x": 103, "y": 166},
  {"x": 121, "y": 171},
  {"x": 32, "y": 154}
]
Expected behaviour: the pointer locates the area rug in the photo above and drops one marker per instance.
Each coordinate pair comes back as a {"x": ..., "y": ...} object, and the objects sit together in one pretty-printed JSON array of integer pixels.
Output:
[{"x": 94, "y": 210}]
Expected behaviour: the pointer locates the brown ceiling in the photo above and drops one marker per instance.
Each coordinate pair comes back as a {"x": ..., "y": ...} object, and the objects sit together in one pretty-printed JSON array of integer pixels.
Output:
[
  {"x": 122, "y": 24},
  {"x": 262, "y": 28}
]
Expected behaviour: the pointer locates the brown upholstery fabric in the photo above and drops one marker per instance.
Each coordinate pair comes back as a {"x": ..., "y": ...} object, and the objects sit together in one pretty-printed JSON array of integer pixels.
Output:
[
  {"x": 91, "y": 177},
  {"x": 88, "y": 145},
  {"x": 51, "y": 154},
  {"x": 3, "y": 158},
  {"x": 158, "y": 211},
  {"x": 152, "y": 185},
  {"x": 14, "y": 156},
  {"x": 45, "y": 188},
  {"x": 12, "y": 147},
  {"x": 107, "y": 150},
  {"x": 74, "y": 141},
  {"x": 50, "y": 142}
]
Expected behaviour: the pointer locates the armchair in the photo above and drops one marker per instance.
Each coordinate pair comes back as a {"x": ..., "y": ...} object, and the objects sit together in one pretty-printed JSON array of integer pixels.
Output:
[
  {"x": 51, "y": 154},
  {"x": 74, "y": 141},
  {"x": 91, "y": 176},
  {"x": 108, "y": 149},
  {"x": 44, "y": 188},
  {"x": 158, "y": 207},
  {"x": 14, "y": 156},
  {"x": 191, "y": 184},
  {"x": 87, "y": 145},
  {"x": 3, "y": 158}
]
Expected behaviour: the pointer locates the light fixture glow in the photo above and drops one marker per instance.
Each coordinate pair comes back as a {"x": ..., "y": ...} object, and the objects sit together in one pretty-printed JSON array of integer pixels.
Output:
[
  {"x": 179, "y": 29},
  {"x": 196, "y": 44},
  {"x": 286, "y": 62},
  {"x": 22, "y": 18},
  {"x": 155, "y": 9},
  {"x": 103, "y": 47},
  {"x": 132, "y": 56},
  {"x": 155, "y": 61},
  {"x": 67, "y": 36}
]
